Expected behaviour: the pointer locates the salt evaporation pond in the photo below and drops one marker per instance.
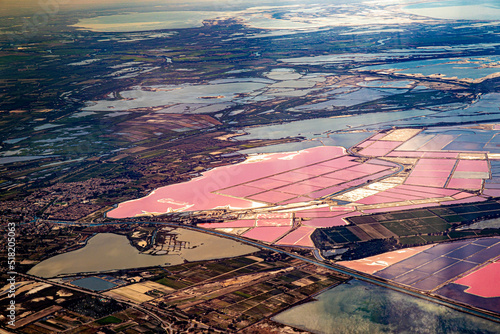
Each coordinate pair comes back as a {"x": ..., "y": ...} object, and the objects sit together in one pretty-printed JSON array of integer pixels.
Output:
[
  {"x": 107, "y": 251},
  {"x": 202, "y": 193},
  {"x": 359, "y": 307}
]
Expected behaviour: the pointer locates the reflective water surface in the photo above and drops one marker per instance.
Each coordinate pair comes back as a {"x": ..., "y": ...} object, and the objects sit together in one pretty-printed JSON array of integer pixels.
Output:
[{"x": 359, "y": 307}]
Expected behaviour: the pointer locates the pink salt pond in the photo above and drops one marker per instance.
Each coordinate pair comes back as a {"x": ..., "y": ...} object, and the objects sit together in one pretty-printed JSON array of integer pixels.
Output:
[
  {"x": 378, "y": 199},
  {"x": 483, "y": 282},
  {"x": 473, "y": 184},
  {"x": 438, "y": 192},
  {"x": 198, "y": 194},
  {"x": 426, "y": 181},
  {"x": 472, "y": 166},
  {"x": 267, "y": 234},
  {"x": 299, "y": 237}
]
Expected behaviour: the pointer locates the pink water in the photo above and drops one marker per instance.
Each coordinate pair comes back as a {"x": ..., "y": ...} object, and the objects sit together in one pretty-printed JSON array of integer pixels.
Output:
[
  {"x": 465, "y": 200},
  {"x": 426, "y": 181},
  {"x": 483, "y": 282},
  {"x": 366, "y": 143},
  {"x": 378, "y": 136},
  {"x": 339, "y": 163},
  {"x": 345, "y": 174},
  {"x": 394, "y": 192},
  {"x": 267, "y": 183},
  {"x": 197, "y": 194},
  {"x": 315, "y": 170},
  {"x": 240, "y": 191},
  {"x": 473, "y": 184},
  {"x": 430, "y": 190},
  {"x": 299, "y": 188},
  {"x": 368, "y": 168},
  {"x": 472, "y": 166},
  {"x": 296, "y": 200},
  {"x": 429, "y": 173},
  {"x": 377, "y": 199},
  {"x": 321, "y": 182},
  {"x": 267, "y": 234},
  {"x": 462, "y": 195},
  {"x": 272, "y": 197},
  {"x": 299, "y": 237},
  {"x": 327, "y": 191},
  {"x": 290, "y": 176}
]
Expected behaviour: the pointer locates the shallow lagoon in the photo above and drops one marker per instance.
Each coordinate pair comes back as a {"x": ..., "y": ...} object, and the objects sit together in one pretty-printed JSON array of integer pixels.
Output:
[
  {"x": 317, "y": 127},
  {"x": 472, "y": 68},
  {"x": 217, "y": 91},
  {"x": 147, "y": 21},
  {"x": 107, "y": 251},
  {"x": 359, "y": 307},
  {"x": 339, "y": 139},
  {"x": 483, "y": 110}
]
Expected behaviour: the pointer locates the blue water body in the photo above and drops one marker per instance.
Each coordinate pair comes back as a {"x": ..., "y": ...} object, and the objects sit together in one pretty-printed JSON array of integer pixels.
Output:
[
  {"x": 387, "y": 84},
  {"x": 486, "y": 109},
  {"x": 450, "y": 67},
  {"x": 15, "y": 140},
  {"x": 93, "y": 283},
  {"x": 463, "y": 140},
  {"x": 313, "y": 128},
  {"x": 339, "y": 139}
]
